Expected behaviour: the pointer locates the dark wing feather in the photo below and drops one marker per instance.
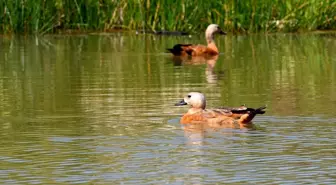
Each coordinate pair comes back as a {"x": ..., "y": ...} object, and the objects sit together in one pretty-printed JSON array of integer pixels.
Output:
[
  {"x": 243, "y": 110},
  {"x": 180, "y": 49}
]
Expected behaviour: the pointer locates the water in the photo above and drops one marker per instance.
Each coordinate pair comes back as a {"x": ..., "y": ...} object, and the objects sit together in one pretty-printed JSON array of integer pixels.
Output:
[{"x": 98, "y": 109}]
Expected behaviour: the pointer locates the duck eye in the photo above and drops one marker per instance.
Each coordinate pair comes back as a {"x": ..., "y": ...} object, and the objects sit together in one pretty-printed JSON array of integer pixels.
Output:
[{"x": 189, "y": 96}]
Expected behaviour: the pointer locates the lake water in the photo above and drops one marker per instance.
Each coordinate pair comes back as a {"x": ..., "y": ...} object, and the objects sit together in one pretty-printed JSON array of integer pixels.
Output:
[{"x": 99, "y": 109}]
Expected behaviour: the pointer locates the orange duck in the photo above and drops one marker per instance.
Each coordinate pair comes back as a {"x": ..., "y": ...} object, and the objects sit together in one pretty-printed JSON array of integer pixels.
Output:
[
  {"x": 197, "y": 114},
  {"x": 199, "y": 50}
]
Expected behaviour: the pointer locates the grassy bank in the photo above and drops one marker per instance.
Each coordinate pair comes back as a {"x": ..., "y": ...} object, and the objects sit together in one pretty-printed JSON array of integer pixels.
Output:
[{"x": 49, "y": 16}]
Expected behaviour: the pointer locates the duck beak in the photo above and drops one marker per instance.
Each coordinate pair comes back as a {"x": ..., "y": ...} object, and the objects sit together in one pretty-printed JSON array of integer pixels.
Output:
[
  {"x": 221, "y": 32},
  {"x": 182, "y": 102}
]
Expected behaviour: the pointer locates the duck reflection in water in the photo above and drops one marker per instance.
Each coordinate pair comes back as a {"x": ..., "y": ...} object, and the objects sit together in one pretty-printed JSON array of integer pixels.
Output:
[
  {"x": 209, "y": 61},
  {"x": 196, "y": 133}
]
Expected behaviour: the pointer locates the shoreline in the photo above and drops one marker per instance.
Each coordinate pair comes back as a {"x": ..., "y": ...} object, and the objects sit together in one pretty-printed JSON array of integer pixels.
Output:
[{"x": 161, "y": 33}]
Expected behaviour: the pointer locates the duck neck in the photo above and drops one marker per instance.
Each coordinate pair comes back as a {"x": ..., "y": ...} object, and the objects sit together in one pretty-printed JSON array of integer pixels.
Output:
[
  {"x": 211, "y": 42},
  {"x": 209, "y": 37},
  {"x": 194, "y": 110}
]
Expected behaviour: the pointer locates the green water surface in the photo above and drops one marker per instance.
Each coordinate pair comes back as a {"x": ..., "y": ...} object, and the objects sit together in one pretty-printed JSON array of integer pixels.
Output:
[{"x": 99, "y": 109}]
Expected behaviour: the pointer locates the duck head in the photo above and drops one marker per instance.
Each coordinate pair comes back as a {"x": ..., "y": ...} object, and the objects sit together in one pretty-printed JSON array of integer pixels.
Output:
[
  {"x": 212, "y": 30},
  {"x": 194, "y": 99}
]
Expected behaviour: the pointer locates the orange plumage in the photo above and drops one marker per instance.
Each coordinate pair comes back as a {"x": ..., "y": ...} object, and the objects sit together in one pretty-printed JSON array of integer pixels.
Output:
[
  {"x": 199, "y": 50},
  {"x": 219, "y": 117}
]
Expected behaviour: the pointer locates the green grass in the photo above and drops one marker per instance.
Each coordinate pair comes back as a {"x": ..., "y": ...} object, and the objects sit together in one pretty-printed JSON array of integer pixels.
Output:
[{"x": 50, "y": 16}]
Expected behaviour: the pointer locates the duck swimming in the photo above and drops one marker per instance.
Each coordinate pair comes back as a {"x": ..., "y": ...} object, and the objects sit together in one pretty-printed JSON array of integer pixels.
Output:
[
  {"x": 198, "y": 50},
  {"x": 215, "y": 117}
]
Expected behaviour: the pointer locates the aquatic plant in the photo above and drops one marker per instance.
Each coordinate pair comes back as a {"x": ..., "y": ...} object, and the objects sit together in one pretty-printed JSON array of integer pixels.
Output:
[{"x": 50, "y": 16}]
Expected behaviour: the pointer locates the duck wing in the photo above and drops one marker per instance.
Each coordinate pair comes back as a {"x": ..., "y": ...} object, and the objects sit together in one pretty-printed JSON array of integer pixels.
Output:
[
  {"x": 237, "y": 112},
  {"x": 199, "y": 50},
  {"x": 191, "y": 50}
]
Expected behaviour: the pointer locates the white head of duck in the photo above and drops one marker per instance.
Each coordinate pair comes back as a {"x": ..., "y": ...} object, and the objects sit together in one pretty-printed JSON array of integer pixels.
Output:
[
  {"x": 194, "y": 99},
  {"x": 211, "y": 30}
]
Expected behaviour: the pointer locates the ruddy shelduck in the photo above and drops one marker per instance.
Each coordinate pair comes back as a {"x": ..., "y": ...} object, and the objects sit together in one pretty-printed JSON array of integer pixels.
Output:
[
  {"x": 215, "y": 117},
  {"x": 199, "y": 50}
]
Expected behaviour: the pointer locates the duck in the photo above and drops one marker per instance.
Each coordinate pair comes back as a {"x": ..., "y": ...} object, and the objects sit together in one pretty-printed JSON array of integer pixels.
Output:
[
  {"x": 223, "y": 116},
  {"x": 199, "y": 50}
]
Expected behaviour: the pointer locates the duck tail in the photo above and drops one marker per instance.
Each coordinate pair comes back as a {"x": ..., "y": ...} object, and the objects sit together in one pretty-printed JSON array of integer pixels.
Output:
[
  {"x": 247, "y": 118},
  {"x": 171, "y": 50},
  {"x": 174, "y": 51},
  {"x": 260, "y": 110},
  {"x": 178, "y": 49}
]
